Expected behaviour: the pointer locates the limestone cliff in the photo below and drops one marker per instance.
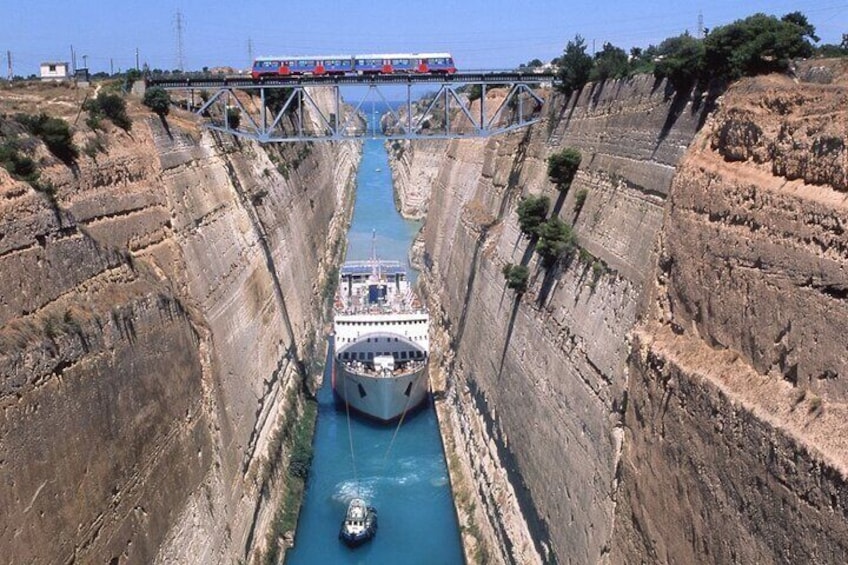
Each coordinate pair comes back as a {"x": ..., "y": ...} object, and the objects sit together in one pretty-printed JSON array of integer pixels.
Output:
[
  {"x": 158, "y": 306},
  {"x": 738, "y": 393},
  {"x": 676, "y": 404},
  {"x": 535, "y": 384}
]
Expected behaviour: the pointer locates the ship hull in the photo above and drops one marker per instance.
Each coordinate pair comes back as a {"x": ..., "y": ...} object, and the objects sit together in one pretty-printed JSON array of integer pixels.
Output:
[{"x": 384, "y": 399}]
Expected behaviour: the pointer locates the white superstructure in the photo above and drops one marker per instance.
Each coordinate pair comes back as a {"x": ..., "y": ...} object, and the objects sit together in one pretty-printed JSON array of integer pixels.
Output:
[{"x": 381, "y": 340}]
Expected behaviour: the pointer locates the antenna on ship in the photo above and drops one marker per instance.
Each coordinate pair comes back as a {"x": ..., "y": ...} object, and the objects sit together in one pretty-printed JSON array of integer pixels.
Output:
[{"x": 374, "y": 273}]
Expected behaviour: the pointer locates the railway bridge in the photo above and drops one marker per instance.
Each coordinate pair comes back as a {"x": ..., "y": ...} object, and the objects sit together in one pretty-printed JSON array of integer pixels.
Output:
[{"x": 258, "y": 109}]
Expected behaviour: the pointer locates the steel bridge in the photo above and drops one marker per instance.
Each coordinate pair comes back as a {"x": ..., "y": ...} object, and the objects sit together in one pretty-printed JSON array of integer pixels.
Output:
[{"x": 310, "y": 108}]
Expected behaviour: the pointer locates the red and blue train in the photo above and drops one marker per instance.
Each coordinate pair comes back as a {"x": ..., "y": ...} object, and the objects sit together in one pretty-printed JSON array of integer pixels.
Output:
[{"x": 369, "y": 64}]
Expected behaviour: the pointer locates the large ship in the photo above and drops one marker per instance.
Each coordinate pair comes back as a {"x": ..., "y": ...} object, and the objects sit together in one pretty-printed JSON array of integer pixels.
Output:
[{"x": 381, "y": 341}]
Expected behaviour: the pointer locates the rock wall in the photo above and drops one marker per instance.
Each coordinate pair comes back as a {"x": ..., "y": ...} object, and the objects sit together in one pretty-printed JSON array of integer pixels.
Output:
[
  {"x": 534, "y": 385},
  {"x": 157, "y": 312},
  {"x": 737, "y": 396}
]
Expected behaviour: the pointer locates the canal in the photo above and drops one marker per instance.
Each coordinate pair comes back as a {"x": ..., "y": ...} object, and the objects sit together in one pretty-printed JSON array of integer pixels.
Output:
[{"x": 401, "y": 471}]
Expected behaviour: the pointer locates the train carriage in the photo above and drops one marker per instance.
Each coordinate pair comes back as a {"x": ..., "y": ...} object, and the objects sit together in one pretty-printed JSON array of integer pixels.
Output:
[
  {"x": 303, "y": 65},
  {"x": 435, "y": 63},
  {"x": 362, "y": 64}
]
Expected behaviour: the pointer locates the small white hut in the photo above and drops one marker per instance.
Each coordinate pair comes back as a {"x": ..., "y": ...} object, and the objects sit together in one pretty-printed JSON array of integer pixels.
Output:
[{"x": 51, "y": 70}]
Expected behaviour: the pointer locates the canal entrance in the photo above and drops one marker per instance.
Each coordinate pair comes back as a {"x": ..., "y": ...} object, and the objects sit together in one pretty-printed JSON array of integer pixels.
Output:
[{"x": 408, "y": 484}]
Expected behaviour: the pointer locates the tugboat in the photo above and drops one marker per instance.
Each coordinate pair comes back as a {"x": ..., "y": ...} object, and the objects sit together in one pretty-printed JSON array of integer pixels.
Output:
[{"x": 360, "y": 523}]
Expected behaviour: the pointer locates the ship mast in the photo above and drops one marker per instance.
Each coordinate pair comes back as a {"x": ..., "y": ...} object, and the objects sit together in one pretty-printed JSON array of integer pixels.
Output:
[{"x": 374, "y": 273}]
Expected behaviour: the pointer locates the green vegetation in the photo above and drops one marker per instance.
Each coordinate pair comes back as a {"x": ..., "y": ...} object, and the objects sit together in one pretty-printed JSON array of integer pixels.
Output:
[
  {"x": 285, "y": 519},
  {"x": 233, "y": 117},
  {"x": 516, "y": 277},
  {"x": 609, "y": 62},
  {"x": 533, "y": 64},
  {"x": 758, "y": 44},
  {"x": 54, "y": 132},
  {"x": 580, "y": 200},
  {"x": 19, "y": 166},
  {"x": 681, "y": 60},
  {"x": 563, "y": 166},
  {"x": 575, "y": 65},
  {"x": 158, "y": 100},
  {"x": 531, "y": 214},
  {"x": 275, "y": 98},
  {"x": 755, "y": 45},
  {"x": 556, "y": 239},
  {"x": 110, "y": 105},
  {"x": 475, "y": 92}
]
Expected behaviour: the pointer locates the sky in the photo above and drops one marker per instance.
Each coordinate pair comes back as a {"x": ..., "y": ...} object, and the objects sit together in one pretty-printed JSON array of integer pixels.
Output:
[{"x": 481, "y": 34}]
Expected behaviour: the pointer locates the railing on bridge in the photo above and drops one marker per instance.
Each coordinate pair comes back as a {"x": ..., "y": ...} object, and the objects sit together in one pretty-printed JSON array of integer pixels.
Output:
[{"x": 310, "y": 108}]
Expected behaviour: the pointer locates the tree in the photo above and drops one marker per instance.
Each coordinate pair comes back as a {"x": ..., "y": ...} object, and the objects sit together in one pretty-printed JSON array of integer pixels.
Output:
[
  {"x": 758, "y": 44},
  {"x": 562, "y": 167},
  {"x": 516, "y": 277},
  {"x": 556, "y": 238},
  {"x": 642, "y": 60},
  {"x": 475, "y": 91},
  {"x": 574, "y": 66},
  {"x": 532, "y": 64},
  {"x": 233, "y": 117},
  {"x": 158, "y": 100},
  {"x": 610, "y": 62},
  {"x": 275, "y": 98},
  {"x": 531, "y": 213},
  {"x": 680, "y": 59},
  {"x": 800, "y": 20}
]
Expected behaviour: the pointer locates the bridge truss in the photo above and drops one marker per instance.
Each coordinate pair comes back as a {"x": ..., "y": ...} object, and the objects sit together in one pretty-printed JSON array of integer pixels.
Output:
[{"x": 302, "y": 109}]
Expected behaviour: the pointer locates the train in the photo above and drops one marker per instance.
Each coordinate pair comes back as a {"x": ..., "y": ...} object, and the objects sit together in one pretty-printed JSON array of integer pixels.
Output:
[{"x": 367, "y": 64}]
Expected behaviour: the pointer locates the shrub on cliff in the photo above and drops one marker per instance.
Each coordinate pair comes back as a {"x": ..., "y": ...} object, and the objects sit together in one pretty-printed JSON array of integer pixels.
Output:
[
  {"x": 516, "y": 277},
  {"x": 54, "y": 132},
  {"x": 275, "y": 99},
  {"x": 19, "y": 166},
  {"x": 531, "y": 213},
  {"x": 556, "y": 239},
  {"x": 563, "y": 166},
  {"x": 574, "y": 66},
  {"x": 233, "y": 117},
  {"x": 158, "y": 100},
  {"x": 111, "y": 105}
]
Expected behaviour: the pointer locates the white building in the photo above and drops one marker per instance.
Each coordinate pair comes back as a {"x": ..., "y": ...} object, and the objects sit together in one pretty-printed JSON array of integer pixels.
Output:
[{"x": 54, "y": 71}]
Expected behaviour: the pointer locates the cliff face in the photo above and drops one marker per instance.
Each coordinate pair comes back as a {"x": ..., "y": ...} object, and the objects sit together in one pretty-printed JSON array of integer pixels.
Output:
[
  {"x": 738, "y": 386},
  {"x": 535, "y": 385},
  {"x": 156, "y": 315},
  {"x": 678, "y": 403}
]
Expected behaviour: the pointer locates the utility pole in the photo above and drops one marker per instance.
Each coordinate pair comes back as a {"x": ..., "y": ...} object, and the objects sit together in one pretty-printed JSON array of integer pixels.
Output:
[
  {"x": 180, "y": 62},
  {"x": 73, "y": 60},
  {"x": 111, "y": 66},
  {"x": 136, "y": 60},
  {"x": 9, "y": 64},
  {"x": 700, "y": 25}
]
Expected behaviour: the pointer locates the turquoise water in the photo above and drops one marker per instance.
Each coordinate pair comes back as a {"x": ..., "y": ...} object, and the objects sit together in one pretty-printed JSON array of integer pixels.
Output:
[{"x": 405, "y": 479}]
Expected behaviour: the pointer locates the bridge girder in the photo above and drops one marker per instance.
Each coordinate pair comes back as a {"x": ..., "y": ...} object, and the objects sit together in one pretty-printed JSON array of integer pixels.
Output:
[{"x": 448, "y": 114}]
